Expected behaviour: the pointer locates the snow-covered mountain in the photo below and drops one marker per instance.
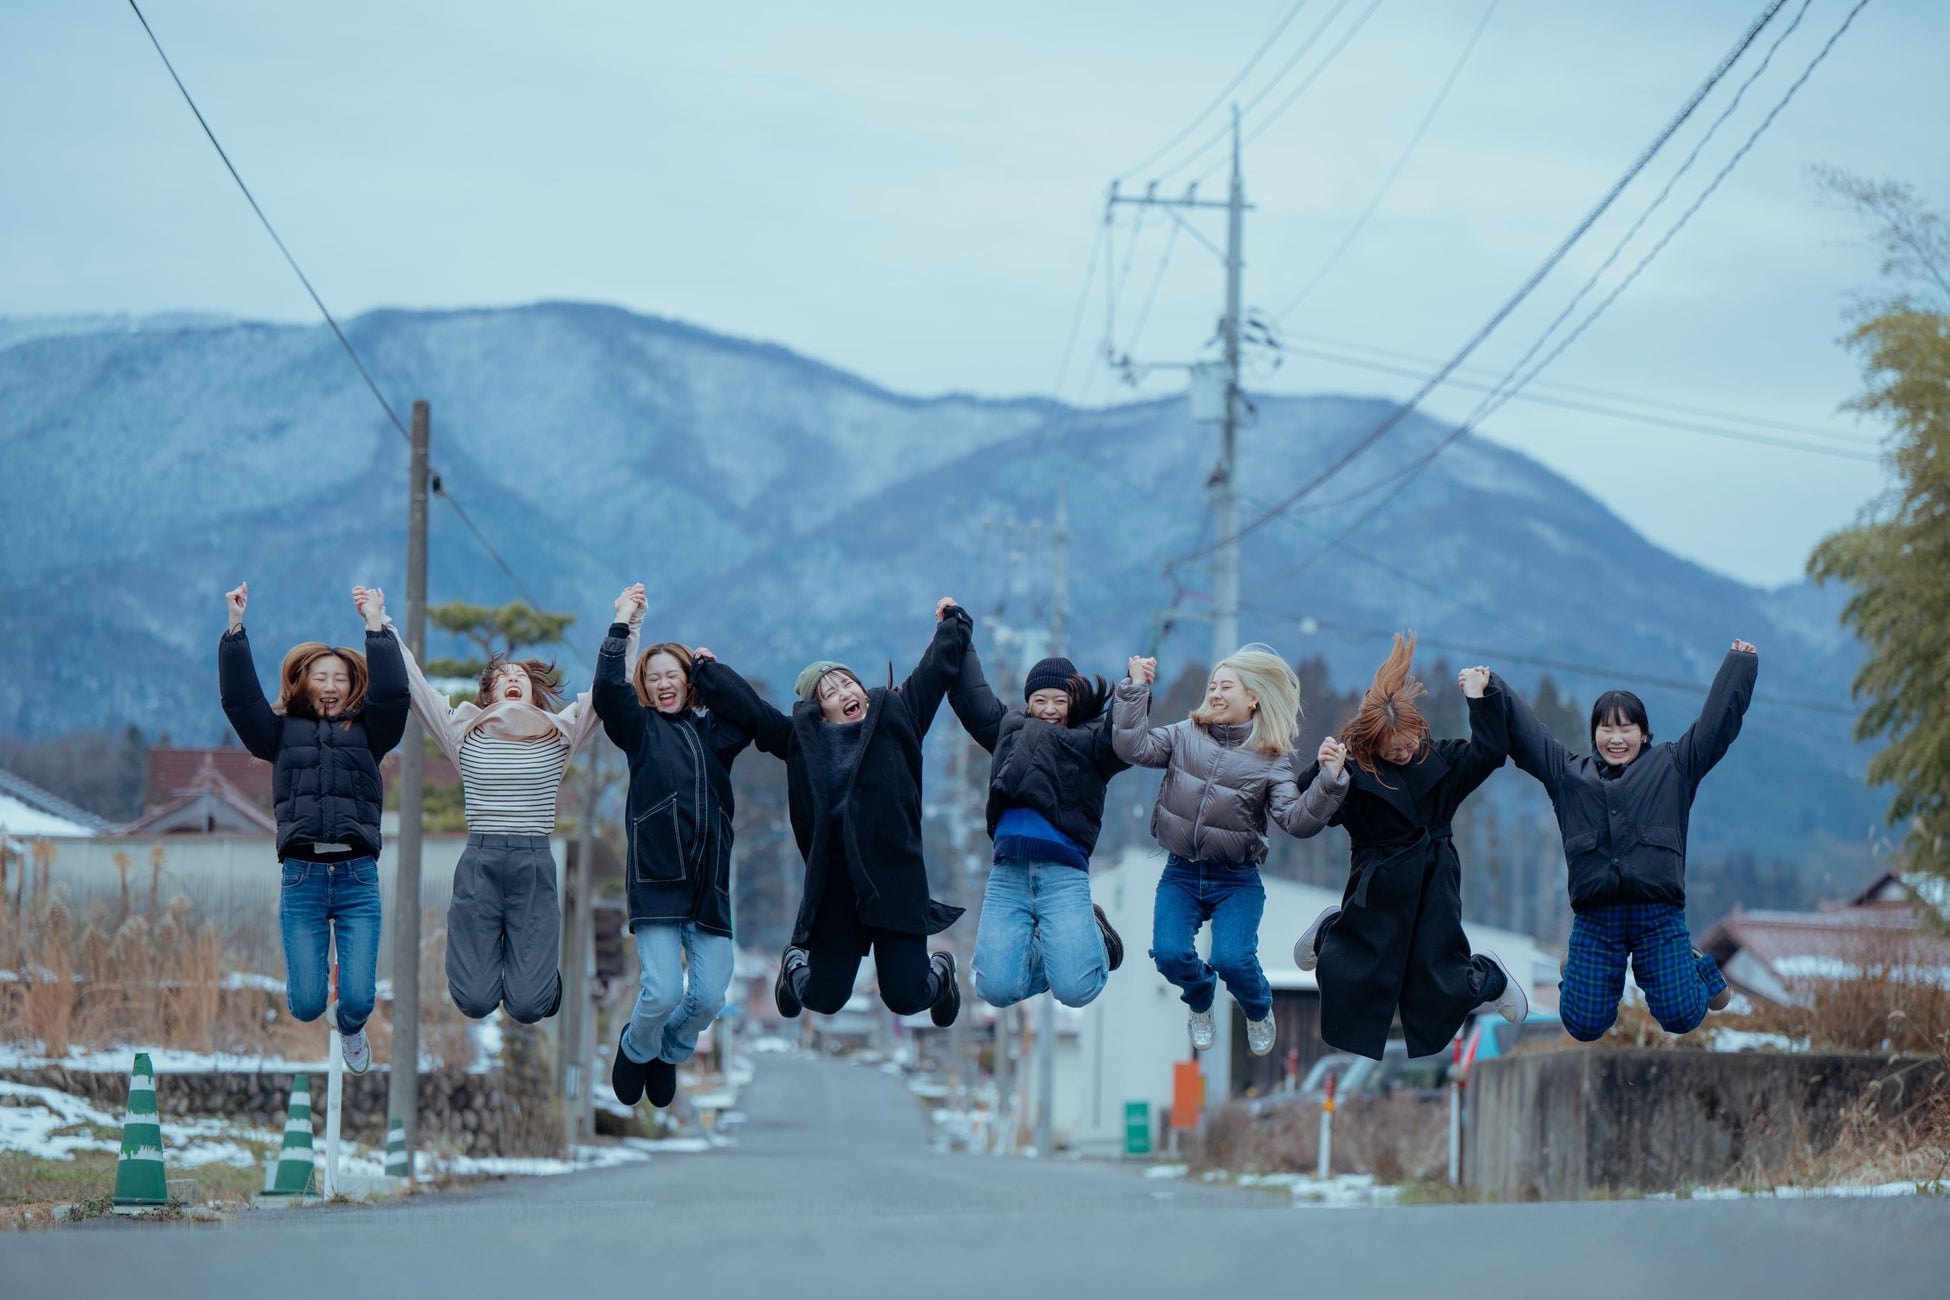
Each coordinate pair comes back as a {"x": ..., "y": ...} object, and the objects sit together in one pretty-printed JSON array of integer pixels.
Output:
[{"x": 780, "y": 510}]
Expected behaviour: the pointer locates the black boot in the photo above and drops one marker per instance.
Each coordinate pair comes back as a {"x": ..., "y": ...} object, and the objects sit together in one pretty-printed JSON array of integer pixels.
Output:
[
  {"x": 783, "y": 993},
  {"x": 1113, "y": 945},
  {"x": 947, "y": 997},
  {"x": 625, "y": 1075},
  {"x": 660, "y": 1083}
]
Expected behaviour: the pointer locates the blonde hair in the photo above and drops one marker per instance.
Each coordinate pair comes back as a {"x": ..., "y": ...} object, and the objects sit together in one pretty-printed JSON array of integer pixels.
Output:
[{"x": 1269, "y": 680}]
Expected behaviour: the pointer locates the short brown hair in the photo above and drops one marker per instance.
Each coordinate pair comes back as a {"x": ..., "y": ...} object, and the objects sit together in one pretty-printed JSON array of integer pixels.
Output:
[
  {"x": 541, "y": 675},
  {"x": 294, "y": 696},
  {"x": 681, "y": 654},
  {"x": 1388, "y": 708}
]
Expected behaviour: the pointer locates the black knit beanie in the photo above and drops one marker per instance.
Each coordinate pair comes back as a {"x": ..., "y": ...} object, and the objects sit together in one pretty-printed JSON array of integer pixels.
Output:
[{"x": 1048, "y": 675}]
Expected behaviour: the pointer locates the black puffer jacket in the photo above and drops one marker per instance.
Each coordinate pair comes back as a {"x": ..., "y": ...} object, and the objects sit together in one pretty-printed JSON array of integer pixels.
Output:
[
  {"x": 872, "y": 827},
  {"x": 680, "y": 807},
  {"x": 325, "y": 781},
  {"x": 1625, "y": 827},
  {"x": 1058, "y": 771}
]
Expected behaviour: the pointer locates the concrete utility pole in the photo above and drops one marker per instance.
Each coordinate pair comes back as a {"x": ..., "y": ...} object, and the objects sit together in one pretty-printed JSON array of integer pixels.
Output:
[
  {"x": 403, "y": 1083},
  {"x": 1059, "y": 632},
  {"x": 576, "y": 1029},
  {"x": 1224, "y": 412}
]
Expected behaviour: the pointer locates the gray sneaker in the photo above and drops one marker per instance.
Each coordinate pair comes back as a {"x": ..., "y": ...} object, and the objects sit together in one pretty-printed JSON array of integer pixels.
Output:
[
  {"x": 356, "y": 1051},
  {"x": 1514, "y": 1004},
  {"x": 1306, "y": 950},
  {"x": 1260, "y": 1035},
  {"x": 1203, "y": 1032}
]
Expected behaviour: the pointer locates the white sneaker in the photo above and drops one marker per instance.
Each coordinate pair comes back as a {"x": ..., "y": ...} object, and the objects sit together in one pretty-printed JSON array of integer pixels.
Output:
[
  {"x": 357, "y": 1052},
  {"x": 1514, "y": 1004},
  {"x": 1260, "y": 1035},
  {"x": 1203, "y": 1033},
  {"x": 1306, "y": 949}
]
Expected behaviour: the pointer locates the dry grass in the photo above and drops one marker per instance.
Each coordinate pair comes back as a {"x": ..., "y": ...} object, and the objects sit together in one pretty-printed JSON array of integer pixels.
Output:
[{"x": 1400, "y": 1138}]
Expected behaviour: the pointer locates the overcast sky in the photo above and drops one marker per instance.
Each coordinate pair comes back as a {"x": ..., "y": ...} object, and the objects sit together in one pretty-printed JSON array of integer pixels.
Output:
[{"x": 913, "y": 192}]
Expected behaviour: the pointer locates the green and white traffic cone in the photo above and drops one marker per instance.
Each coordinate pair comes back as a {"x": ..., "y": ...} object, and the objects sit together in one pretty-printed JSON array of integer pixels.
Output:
[
  {"x": 295, "y": 1157},
  {"x": 396, "y": 1162},
  {"x": 140, "y": 1184}
]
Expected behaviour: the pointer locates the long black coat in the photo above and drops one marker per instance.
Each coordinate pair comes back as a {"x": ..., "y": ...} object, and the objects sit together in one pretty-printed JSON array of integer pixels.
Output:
[
  {"x": 1058, "y": 771},
  {"x": 325, "y": 783},
  {"x": 1625, "y": 827},
  {"x": 1399, "y": 939},
  {"x": 879, "y": 837},
  {"x": 680, "y": 806}
]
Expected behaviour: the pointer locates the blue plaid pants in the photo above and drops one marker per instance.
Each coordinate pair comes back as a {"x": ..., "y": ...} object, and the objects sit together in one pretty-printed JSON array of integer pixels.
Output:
[{"x": 1677, "y": 983}]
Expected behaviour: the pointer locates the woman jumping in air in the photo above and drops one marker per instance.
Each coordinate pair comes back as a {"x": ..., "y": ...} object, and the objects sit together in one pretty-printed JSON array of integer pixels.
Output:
[
  {"x": 1396, "y": 941},
  {"x": 1623, "y": 811},
  {"x": 1228, "y": 768},
  {"x": 678, "y": 864},
  {"x": 511, "y": 743},
  {"x": 337, "y": 714},
  {"x": 853, "y": 779},
  {"x": 1039, "y": 931}
]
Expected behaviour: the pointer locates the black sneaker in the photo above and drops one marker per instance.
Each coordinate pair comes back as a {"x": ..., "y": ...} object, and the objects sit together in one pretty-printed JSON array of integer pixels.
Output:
[
  {"x": 625, "y": 1075},
  {"x": 782, "y": 992},
  {"x": 660, "y": 1083},
  {"x": 1113, "y": 944},
  {"x": 947, "y": 1002}
]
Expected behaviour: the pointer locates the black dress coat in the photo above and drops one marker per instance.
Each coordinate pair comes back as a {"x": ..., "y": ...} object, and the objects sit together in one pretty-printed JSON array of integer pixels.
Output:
[
  {"x": 325, "y": 782},
  {"x": 1399, "y": 941},
  {"x": 680, "y": 806},
  {"x": 1058, "y": 771},
  {"x": 872, "y": 824}
]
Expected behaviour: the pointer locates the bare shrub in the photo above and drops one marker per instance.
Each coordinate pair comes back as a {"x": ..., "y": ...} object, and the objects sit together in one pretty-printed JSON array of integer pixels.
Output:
[{"x": 1396, "y": 1138}]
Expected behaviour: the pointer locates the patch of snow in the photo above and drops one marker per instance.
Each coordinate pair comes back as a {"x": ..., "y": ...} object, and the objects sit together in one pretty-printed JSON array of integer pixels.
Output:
[
  {"x": 1835, "y": 1191},
  {"x": 771, "y": 1043},
  {"x": 1748, "y": 1040},
  {"x": 1166, "y": 1171},
  {"x": 1342, "y": 1192}
]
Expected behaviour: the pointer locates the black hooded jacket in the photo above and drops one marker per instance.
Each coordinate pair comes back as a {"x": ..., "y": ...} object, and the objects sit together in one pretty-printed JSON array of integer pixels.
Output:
[
  {"x": 325, "y": 781},
  {"x": 862, "y": 813},
  {"x": 680, "y": 806}
]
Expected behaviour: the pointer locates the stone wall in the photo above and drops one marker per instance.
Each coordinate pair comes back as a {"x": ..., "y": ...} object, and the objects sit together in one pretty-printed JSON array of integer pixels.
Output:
[
  {"x": 466, "y": 1113},
  {"x": 1568, "y": 1124}
]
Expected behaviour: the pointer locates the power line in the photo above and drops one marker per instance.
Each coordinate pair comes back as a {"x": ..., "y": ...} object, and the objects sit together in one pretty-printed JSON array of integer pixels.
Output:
[
  {"x": 1523, "y": 291},
  {"x": 1144, "y": 316},
  {"x": 1220, "y": 98},
  {"x": 1394, "y": 173},
  {"x": 1354, "y": 29},
  {"x": 435, "y": 479}
]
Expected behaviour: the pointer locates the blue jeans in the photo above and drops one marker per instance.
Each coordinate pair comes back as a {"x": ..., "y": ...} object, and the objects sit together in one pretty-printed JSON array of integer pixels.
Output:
[
  {"x": 1038, "y": 935},
  {"x": 672, "y": 1011},
  {"x": 321, "y": 902},
  {"x": 1677, "y": 982},
  {"x": 1232, "y": 899}
]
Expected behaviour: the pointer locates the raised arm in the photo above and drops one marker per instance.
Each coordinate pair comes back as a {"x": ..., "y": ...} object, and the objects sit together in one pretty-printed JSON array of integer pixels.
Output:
[
  {"x": 975, "y": 704},
  {"x": 1532, "y": 747},
  {"x": 1489, "y": 730},
  {"x": 579, "y": 717},
  {"x": 615, "y": 700},
  {"x": 1706, "y": 741},
  {"x": 1305, "y": 811},
  {"x": 440, "y": 718},
  {"x": 940, "y": 665},
  {"x": 388, "y": 696},
  {"x": 732, "y": 698},
  {"x": 1131, "y": 734},
  {"x": 243, "y": 695}
]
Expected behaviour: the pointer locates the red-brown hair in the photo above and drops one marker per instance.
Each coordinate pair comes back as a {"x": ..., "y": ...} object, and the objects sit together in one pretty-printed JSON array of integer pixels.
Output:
[
  {"x": 542, "y": 678},
  {"x": 680, "y": 653},
  {"x": 1388, "y": 709},
  {"x": 294, "y": 694}
]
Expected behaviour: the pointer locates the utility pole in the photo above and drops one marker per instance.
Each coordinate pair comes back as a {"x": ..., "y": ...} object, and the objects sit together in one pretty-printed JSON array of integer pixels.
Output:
[
  {"x": 1059, "y": 631},
  {"x": 576, "y": 1027},
  {"x": 1224, "y": 411},
  {"x": 403, "y": 1082}
]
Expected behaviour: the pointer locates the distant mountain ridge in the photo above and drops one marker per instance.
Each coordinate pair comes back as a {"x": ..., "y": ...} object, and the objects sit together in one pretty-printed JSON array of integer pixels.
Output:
[{"x": 780, "y": 509}]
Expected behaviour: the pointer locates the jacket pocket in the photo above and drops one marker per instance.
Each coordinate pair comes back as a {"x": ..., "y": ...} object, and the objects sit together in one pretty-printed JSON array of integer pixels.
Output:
[
  {"x": 657, "y": 844},
  {"x": 1576, "y": 846},
  {"x": 721, "y": 857},
  {"x": 1659, "y": 864},
  {"x": 1662, "y": 837}
]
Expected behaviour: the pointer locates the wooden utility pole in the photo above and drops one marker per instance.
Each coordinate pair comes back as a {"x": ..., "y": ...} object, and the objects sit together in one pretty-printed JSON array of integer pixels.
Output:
[{"x": 403, "y": 1085}]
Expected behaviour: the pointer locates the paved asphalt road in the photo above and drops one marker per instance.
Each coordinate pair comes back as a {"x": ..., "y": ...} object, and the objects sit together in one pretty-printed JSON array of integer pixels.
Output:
[{"x": 833, "y": 1191}]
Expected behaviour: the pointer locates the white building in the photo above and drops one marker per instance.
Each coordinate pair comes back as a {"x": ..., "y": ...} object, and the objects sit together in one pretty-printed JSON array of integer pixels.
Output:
[{"x": 1122, "y": 1047}]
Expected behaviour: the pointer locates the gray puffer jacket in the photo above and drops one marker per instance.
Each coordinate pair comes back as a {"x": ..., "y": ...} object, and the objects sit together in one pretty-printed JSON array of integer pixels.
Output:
[{"x": 1217, "y": 793}]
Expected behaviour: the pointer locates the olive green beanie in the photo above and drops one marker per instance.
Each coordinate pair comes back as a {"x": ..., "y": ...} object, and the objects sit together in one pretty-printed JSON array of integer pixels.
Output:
[{"x": 807, "y": 687}]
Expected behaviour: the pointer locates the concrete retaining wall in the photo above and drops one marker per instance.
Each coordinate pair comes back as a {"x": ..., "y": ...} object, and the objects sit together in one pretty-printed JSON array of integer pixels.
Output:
[{"x": 1568, "y": 1124}]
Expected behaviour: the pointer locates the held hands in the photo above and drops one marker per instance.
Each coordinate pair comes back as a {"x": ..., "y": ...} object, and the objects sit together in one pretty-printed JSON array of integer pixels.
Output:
[
  {"x": 1142, "y": 670},
  {"x": 234, "y": 600},
  {"x": 371, "y": 604},
  {"x": 1333, "y": 757},
  {"x": 702, "y": 655},
  {"x": 630, "y": 605},
  {"x": 1474, "y": 681},
  {"x": 1745, "y": 647},
  {"x": 942, "y": 606}
]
